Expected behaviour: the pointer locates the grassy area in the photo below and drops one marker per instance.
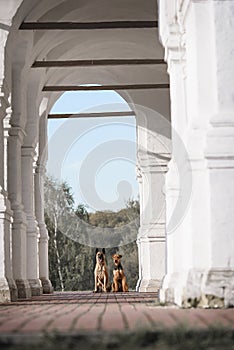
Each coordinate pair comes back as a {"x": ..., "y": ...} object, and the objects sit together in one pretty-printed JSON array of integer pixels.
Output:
[{"x": 176, "y": 339}]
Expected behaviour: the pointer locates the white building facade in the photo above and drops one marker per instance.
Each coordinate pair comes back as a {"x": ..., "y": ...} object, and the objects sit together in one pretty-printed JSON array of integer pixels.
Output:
[{"x": 185, "y": 133}]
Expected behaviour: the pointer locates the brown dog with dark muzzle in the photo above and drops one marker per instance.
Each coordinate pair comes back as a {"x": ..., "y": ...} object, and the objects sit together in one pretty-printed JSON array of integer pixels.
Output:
[
  {"x": 100, "y": 272},
  {"x": 119, "y": 279}
]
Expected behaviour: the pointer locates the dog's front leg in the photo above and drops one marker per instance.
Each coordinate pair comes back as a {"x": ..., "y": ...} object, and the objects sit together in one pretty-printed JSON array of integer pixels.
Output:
[
  {"x": 124, "y": 284},
  {"x": 115, "y": 286},
  {"x": 105, "y": 283},
  {"x": 95, "y": 281}
]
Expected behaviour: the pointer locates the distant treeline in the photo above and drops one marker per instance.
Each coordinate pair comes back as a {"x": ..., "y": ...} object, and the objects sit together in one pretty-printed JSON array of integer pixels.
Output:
[{"x": 71, "y": 264}]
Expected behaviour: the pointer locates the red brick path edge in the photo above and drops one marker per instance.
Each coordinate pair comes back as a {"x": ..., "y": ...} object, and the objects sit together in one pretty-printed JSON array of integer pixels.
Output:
[{"x": 86, "y": 312}]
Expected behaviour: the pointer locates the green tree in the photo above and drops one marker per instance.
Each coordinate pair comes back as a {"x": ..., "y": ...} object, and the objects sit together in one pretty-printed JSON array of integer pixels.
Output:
[
  {"x": 71, "y": 264},
  {"x": 129, "y": 251},
  {"x": 59, "y": 203}
]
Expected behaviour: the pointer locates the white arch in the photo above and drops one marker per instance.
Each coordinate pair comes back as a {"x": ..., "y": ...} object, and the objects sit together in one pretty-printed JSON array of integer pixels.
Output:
[{"x": 26, "y": 83}]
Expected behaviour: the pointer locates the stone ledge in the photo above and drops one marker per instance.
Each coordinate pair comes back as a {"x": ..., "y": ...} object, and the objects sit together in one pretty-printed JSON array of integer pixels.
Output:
[
  {"x": 46, "y": 286},
  {"x": 24, "y": 290},
  {"x": 212, "y": 288},
  {"x": 36, "y": 286},
  {"x": 5, "y": 295},
  {"x": 150, "y": 285}
]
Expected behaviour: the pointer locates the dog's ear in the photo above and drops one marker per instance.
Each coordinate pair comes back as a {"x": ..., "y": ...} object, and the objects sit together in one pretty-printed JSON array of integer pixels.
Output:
[
  {"x": 103, "y": 251},
  {"x": 97, "y": 250},
  {"x": 120, "y": 256}
]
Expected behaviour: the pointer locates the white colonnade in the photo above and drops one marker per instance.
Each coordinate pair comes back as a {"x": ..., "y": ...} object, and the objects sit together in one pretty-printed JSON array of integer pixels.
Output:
[
  {"x": 188, "y": 238},
  {"x": 197, "y": 37}
]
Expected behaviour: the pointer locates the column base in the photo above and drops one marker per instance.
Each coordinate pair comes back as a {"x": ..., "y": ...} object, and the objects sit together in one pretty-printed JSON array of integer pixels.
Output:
[
  {"x": 5, "y": 294},
  {"x": 13, "y": 289},
  {"x": 24, "y": 290},
  {"x": 36, "y": 287},
  {"x": 5, "y": 223},
  {"x": 151, "y": 285},
  {"x": 212, "y": 288},
  {"x": 152, "y": 260},
  {"x": 46, "y": 286}
]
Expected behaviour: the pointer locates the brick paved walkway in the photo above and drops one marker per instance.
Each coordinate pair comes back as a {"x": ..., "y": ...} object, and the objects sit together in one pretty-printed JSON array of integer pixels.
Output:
[{"x": 82, "y": 312}]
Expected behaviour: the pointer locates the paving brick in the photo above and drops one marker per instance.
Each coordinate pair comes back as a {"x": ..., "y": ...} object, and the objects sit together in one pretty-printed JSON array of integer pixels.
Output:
[
  {"x": 112, "y": 319},
  {"x": 36, "y": 325},
  {"x": 15, "y": 324},
  {"x": 90, "y": 320},
  {"x": 229, "y": 315},
  {"x": 188, "y": 318},
  {"x": 65, "y": 321},
  {"x": 135, "y": 317},
  {"x": 211, "y": 317},
  {"x": 161, "y": 318},
  {"x": 87, "y": 311}
]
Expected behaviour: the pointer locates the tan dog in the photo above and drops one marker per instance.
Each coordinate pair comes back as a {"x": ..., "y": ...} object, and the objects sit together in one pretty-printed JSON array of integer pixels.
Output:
[
  {"x": 119, "y": 279},
  {"x": 100, "y": 272}
]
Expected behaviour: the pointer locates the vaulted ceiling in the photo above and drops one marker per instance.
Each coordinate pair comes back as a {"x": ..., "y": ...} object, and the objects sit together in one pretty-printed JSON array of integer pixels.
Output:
[{"x": 75, "y": 42}]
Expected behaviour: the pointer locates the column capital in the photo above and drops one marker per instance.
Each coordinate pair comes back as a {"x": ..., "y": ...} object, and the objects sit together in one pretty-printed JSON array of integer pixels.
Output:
[
  {"x": 4, "y": 90},
  {"x": 172, "y": 17},
  {"x": 138, "y": 173},
  {"x": 40, "y": 169},
  {"x": 175, "y": 49},
  {"x": 172, "y": 30},
  {"x": 7, "y": 119},
  {"x": 5, "y": 208},
  {"x": 152, "y": 239},
  {"x": 28, "y": 152},
  {"x": 4, "y": 103},
  {"x": 17, "y": 131},
  {"x": 3, "y": 106},
  {"x": 153, "y": 162},
  {"x": 219, "y": 151},
  {"x": 43, "y": 235}
]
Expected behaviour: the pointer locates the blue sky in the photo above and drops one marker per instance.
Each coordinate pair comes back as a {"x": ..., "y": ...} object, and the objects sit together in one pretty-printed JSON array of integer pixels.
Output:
[{"x": 96, "y": 156}]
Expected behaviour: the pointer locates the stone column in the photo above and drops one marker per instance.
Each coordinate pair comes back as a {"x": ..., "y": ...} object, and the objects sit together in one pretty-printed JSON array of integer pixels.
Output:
[
  {"x": 139, "y": 179},
  {"x": 27, "y": 158},
  {"x": 151, "y": 239},
  {"x": 9, "y": 213},
  {"x": 19, "y": 251},
  {"x": 43, "y": 237},
  {"x": 218, "y": 280},
  {"x": 8, "y": 289},
  {"x": 179, "y": 176},
  {"x": 39, "y": 207},
  {"x": 203, "y": 274}
]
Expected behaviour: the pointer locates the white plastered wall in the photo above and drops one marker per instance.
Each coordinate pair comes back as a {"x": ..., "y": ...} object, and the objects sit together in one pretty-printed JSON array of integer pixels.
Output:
[{"x": 198, "y": 37}]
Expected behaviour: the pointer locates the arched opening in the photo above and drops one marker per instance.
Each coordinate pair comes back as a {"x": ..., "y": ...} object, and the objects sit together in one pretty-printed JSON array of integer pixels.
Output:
[
  {"x": 123, "y": 55},
  {"x": 49, "y": 47},
  {"x": 96, "y": 166},
  {"x": 98, "y": 118}
]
